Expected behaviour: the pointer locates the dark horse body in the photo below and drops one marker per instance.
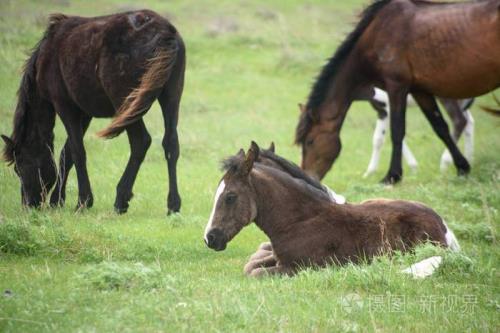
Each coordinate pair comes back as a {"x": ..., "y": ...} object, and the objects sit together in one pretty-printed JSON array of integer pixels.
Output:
[
  {"x": 404, "y": 47},
  {"x": 115, "y": 65},
  {"x": 305, "y": 227}
]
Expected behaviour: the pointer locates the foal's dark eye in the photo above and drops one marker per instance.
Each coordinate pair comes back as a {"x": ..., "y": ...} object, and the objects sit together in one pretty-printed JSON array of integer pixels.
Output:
[{"x": 230, "y": 198}]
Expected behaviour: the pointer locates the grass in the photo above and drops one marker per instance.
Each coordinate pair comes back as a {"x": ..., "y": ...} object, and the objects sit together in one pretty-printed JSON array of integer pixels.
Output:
[{"x": 249, "y": 64}]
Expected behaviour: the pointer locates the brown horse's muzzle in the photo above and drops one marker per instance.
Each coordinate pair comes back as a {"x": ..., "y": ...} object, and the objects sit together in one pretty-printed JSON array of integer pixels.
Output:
[{"x": 216, "y": 240}]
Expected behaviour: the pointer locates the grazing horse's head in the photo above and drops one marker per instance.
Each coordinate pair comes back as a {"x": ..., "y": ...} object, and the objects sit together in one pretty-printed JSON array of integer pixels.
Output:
[
  {"x": 235, "y": 200},
  {"x": 34, "y": 165},
  {"x": 320, "y": 142}
]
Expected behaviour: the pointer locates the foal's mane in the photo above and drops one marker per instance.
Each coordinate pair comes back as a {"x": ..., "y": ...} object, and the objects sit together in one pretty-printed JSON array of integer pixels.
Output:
[
  {"x": 290, "y": 168},
  {"x": 321, "y": 86},
  {"x": 27, "y": 93}
]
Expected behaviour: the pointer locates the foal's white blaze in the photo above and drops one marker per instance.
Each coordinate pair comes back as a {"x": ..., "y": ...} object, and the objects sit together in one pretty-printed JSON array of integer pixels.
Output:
[{"x": 218, "y": 193}]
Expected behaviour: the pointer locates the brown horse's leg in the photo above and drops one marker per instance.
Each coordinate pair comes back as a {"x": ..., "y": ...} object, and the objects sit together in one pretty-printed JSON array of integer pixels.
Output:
[
  {"x": 397, "y": 101},
  {"x": 452, "y": 107},
  {"x": 58, "y": 195},
  {"x": 140, "y": 141},
  {"x": 431, "y": 110},
  {"x": 72, "y": 119}
]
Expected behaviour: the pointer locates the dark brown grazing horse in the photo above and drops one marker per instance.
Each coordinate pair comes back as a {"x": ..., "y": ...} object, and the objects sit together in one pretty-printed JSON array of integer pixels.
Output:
[
  {"x": 307, "y": 229},
  {"x": 415, "y": 47},
  {"x": 107, "y": 66}
]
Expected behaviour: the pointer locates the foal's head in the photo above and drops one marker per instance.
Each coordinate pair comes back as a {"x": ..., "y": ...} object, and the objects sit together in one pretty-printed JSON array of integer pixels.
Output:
[
  {"x": 235, "y": 200},
  {"x": 320, "y": 143},
  {"x": 35, "y": 166}
]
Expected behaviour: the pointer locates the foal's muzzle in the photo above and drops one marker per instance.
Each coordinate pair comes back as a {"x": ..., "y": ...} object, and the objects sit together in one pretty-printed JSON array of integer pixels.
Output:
[{"x": 216, "y": 240}]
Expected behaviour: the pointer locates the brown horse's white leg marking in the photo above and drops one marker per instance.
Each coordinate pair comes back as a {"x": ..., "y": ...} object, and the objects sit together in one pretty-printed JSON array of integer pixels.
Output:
[{"x": 219, "y": 191}]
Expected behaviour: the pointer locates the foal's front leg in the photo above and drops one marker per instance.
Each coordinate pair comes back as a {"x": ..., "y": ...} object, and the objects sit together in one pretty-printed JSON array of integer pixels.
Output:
[
  {"x": 274, "y": 270},
  {"x": 139, "y": 140}
]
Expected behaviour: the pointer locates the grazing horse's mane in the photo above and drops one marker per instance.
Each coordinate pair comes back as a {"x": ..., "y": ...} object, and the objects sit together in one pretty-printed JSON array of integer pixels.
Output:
[
  {"x": 232, "y": 163},
  {"x": 322, "y": 84},
  {"x": 27, "y": 91}
]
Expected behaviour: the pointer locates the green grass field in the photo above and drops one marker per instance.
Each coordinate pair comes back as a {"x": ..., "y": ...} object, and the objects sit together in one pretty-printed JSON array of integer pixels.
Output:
[{"x": 249, "y": 64}]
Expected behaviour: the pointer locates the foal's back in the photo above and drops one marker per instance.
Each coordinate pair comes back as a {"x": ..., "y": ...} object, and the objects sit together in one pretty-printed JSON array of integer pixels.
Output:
[{"x": 404, "y": 223}]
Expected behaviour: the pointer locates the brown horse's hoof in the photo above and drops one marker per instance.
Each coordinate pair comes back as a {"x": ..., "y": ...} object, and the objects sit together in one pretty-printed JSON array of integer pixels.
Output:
[{"x": 391, "y": 179}]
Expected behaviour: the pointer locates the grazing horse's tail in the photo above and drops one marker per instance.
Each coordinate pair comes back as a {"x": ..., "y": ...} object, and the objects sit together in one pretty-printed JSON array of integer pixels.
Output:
[
  {"x": 138, "y": 102},
  {"x": 428, "y": 266}
]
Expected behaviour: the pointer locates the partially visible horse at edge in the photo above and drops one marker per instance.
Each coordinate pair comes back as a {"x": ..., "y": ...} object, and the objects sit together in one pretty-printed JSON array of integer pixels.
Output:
[
  {"x": 450, "y": 50},
  {"x": 115, "y": 65},
  {"x": 305, "y": 227}
]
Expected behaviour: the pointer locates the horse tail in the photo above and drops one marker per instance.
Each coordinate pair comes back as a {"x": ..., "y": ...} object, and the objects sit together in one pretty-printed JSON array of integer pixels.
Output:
[
  {"x": 492, "y": 111},
  {"x": 27, "y": 93},
  {"x": 138, "y": 102}
]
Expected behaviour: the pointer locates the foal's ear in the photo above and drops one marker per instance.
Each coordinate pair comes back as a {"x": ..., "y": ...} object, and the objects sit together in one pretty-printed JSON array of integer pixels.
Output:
[
  {"x": 271, "y": 147},
  {"x": 241, "y": 153},
  {"x": 250, "y": 158}
]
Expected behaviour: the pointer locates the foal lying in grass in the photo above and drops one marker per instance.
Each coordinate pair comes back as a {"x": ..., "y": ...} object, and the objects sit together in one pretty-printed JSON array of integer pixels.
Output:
[{"x": 305, "y": 227}]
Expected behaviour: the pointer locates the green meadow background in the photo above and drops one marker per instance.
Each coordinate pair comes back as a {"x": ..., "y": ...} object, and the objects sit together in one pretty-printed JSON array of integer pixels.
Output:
[{"x": 249, "y": 63}]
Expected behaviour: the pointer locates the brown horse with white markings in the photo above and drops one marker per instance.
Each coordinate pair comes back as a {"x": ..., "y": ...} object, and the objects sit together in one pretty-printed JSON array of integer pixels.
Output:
[
  {"x": 305, "y": 227},
  {"x": 415, "y": 47},
  {"x": 115, "y": 65}
]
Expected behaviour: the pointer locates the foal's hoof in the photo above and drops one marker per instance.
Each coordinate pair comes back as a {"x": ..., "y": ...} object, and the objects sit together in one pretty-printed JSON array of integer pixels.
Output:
[{"x": 391, "y": 179}]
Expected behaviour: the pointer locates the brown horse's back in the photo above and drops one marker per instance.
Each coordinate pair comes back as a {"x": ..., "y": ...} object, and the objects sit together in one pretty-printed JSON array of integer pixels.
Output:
[{"x": 460, "y": 41}]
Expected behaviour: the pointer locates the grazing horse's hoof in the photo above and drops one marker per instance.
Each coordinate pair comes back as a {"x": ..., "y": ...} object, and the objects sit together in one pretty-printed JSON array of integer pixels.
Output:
[
  {"x": 173, "y": 203},
  {"x": 391, "y": 179},
  {"x": 57, "y": 200},
  {"x": 121, "y": 202},
  {"x": 85, "y": 203}
]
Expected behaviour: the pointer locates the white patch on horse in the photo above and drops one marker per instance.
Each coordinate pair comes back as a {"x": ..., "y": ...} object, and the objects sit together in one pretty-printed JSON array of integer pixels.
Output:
[
  {"x": 424, "y": 268},
  {"x": 337, "y": 198},
  {"x": 451, "y": 240},
  {"x": 218, "y": 193},
  {"x": 381, "y": 96}
]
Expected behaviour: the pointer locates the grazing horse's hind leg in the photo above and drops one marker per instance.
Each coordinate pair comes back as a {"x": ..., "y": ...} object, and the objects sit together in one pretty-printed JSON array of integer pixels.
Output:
[
  {"x": 139, "y": 140},
  {"x": 431, "y": 110},
  {"x": 58, "y": 195}
]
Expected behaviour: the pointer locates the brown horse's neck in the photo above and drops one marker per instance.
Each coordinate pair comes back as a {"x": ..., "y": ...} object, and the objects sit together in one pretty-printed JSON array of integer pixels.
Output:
[
  {"x": 283, "y": 202},
  {"x": 343, "y": 89}
]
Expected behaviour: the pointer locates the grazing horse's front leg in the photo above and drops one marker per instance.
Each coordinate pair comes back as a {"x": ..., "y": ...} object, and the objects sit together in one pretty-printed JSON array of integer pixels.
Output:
[
  {"x": 72, "y": 119},
  {"x": 58, "y": 195},
  {"x": 431, "y": 111},
  {"x": 139, "y": 140},
  {"x": 397, "y": 101}
]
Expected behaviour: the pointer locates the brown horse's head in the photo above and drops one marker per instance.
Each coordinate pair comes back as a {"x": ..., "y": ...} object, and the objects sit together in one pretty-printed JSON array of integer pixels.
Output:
[
  {"x": 34, "y": 165},
  {"x": 235, "y": 200},
  {"x": 320, "y": 143}
]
